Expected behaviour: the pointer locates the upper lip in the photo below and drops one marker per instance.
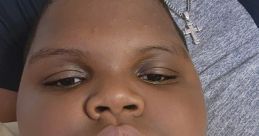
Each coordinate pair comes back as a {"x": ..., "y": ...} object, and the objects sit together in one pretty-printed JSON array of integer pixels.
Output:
[{"x": 124, "y": 130}]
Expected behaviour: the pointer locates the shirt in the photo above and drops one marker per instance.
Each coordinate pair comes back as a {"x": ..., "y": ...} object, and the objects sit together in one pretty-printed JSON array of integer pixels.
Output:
[
  {"x": 9, "y": 129},
  {"x": 227, "y": 61}
]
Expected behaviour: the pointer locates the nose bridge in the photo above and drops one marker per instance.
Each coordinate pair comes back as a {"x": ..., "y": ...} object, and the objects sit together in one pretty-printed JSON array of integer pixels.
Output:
[
  {"x": 113, "y": 89},
  {"x": 114, "y": 97}
]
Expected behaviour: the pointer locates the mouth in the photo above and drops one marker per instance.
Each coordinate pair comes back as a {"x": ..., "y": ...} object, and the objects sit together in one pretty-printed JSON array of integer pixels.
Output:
[{"x": 124, "y": 130}]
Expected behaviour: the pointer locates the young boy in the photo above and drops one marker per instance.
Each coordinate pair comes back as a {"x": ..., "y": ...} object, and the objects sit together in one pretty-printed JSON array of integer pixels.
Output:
[{"x": 109, "y": 68}]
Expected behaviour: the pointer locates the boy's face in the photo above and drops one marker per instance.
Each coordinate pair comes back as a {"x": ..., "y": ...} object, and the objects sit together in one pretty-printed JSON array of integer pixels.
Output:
[{"x": 109, "y": 68}]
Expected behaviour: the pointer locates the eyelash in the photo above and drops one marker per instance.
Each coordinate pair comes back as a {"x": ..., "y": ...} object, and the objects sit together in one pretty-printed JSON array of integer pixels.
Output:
[
  {"x": 156, "y": 79},
  {"x": 66, "y": 79},
  {"x": 152, "y": 76},
  {"x": 68, "y": 82}
]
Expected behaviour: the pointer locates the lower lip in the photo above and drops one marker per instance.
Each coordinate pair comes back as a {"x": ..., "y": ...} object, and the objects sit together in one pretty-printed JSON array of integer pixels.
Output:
[{"x": 124, "y": 130}]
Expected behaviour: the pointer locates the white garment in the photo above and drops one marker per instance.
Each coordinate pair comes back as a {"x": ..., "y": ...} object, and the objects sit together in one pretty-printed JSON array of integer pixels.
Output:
[{"x": 9, "y": 129}]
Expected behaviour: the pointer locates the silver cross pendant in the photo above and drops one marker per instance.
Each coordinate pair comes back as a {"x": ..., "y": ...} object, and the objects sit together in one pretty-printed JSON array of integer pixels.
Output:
[{"x": 190, "y": 29}]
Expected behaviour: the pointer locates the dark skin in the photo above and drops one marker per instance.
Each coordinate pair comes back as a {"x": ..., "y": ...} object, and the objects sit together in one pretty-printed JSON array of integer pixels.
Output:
[
  {"x": 8, "y": 105},
  {"x": 97, "y": 64}
]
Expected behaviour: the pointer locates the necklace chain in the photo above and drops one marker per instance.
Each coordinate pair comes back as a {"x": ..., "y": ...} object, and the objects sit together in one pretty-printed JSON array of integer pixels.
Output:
[
  {"x": 177, "y": 11},
  {"x": 190, "y": 29}
]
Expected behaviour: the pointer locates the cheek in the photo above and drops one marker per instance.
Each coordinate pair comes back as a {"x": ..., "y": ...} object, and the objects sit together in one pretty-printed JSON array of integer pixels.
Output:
[
  {"x": 47, "y": 115},
  {"x": 178, "y": 112}
]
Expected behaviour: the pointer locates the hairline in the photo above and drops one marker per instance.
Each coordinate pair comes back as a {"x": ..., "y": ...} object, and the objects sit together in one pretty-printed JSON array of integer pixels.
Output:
[{"x": 49, "y": 2}]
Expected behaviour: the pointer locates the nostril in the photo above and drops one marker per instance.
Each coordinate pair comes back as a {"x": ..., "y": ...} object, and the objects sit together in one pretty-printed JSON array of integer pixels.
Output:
[
  {"x": 131, "y": 107},
  {"x": 100, "y": 109}
]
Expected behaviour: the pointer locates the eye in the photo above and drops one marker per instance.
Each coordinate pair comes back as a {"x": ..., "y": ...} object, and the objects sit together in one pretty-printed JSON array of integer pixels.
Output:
[
  {"x": 158, "y": 76},
  {"x": 68, "y": 82},
  {"x": 66, "y": 79}
]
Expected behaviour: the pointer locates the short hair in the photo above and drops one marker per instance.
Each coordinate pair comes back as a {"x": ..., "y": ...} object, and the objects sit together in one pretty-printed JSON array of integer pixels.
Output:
[{"x": 33, "y": 30}]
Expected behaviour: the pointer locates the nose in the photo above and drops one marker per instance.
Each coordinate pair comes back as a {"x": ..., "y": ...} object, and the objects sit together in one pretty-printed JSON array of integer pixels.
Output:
[{"x": 114, "y": 102}]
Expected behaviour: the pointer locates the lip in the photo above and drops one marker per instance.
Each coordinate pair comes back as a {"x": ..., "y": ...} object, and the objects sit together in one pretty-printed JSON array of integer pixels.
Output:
[{"x": 124, "y": 130}]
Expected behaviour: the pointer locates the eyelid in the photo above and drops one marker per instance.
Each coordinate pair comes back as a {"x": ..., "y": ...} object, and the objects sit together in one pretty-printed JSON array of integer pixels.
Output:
[
  {"x": 151, "y": 69},
  {"x": 65, "y": 74},
  {"x": 160, "y": 71}
]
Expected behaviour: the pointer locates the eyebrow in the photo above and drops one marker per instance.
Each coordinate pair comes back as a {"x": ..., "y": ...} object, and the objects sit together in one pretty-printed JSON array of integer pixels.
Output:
[
  {"x": 46, "y": 53},
  {"x": 170, "y": 49},
  {"x": 76, "y": 53}
]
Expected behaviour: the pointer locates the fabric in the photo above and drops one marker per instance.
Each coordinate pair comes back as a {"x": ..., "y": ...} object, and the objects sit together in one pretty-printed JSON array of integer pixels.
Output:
[
  {"x": 252, "y": 7},
  {"x": 9, "y": 129},
  {"x": 17, "y": 17},
  {"x": 227, "y": 60}
]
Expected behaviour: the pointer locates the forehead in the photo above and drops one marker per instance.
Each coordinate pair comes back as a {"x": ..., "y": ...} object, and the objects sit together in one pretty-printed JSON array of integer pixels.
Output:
[{"x": 70, "y": 22}]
